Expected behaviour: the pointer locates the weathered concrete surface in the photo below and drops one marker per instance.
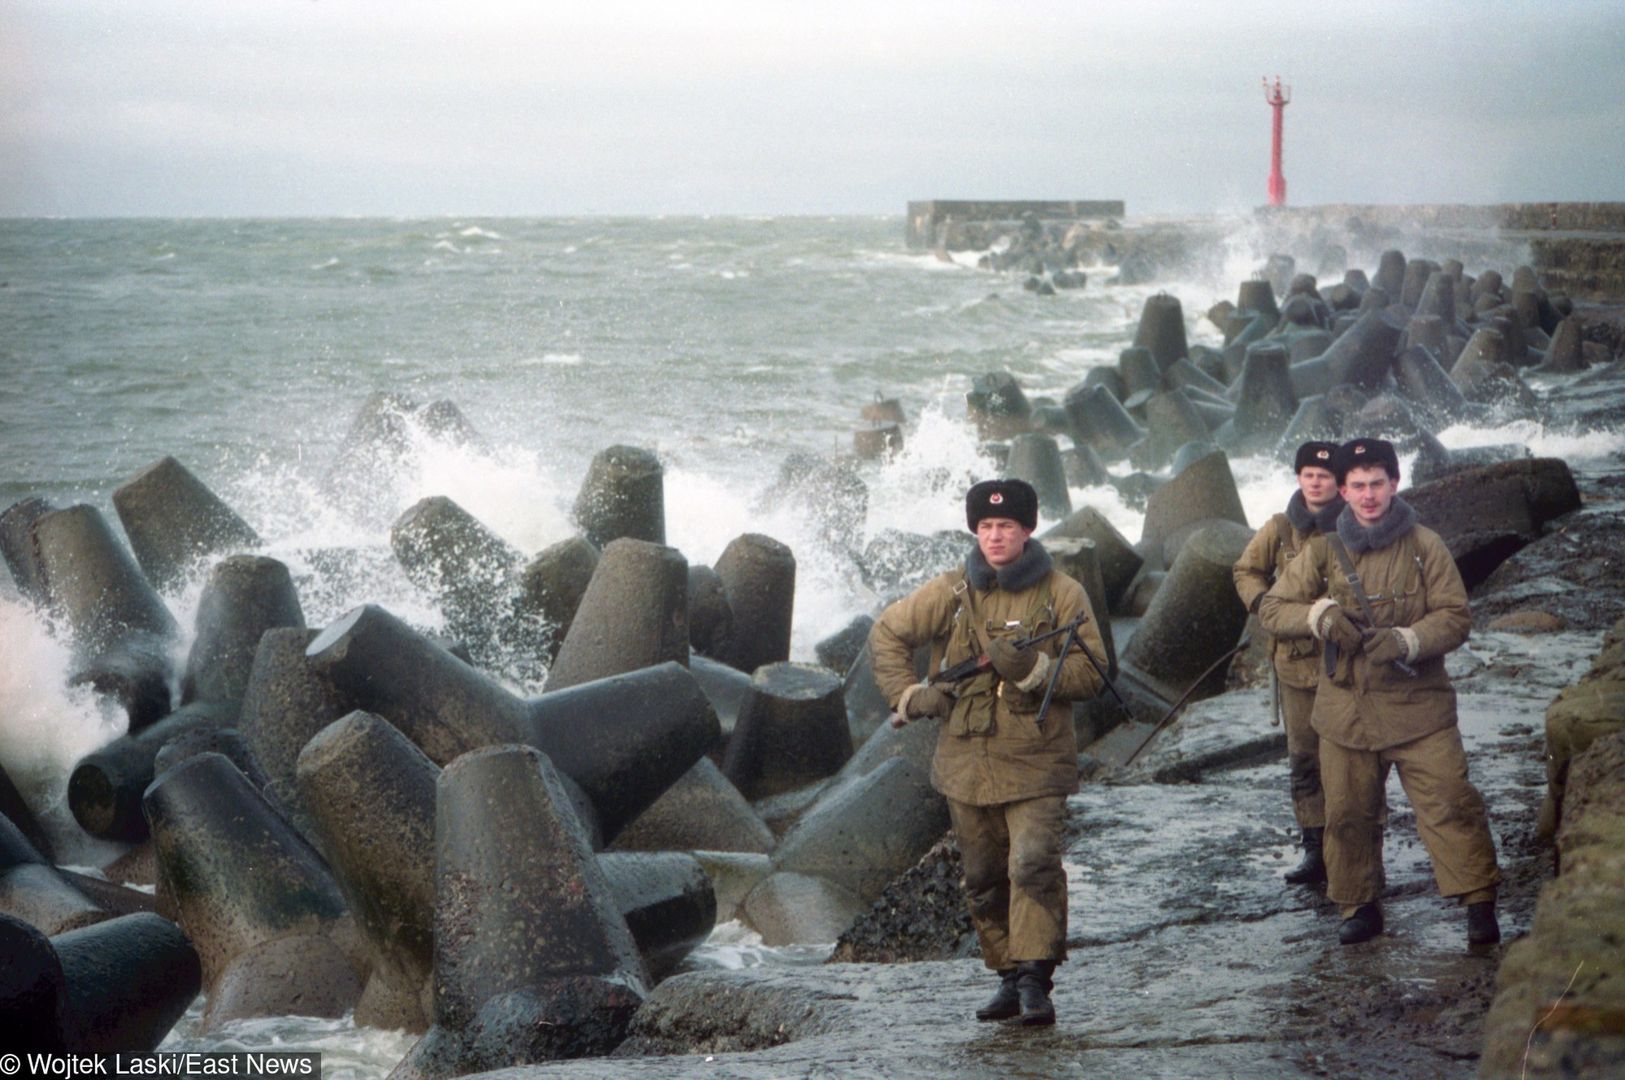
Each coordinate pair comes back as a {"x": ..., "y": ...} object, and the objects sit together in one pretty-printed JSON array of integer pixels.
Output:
[
  {"x": 1560, "y": 1008},
  {"x": 1189, "y": 956}
]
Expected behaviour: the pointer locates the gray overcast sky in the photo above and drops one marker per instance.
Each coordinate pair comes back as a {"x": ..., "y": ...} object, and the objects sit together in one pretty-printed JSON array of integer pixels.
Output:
[{"x": 405, "y": 107}]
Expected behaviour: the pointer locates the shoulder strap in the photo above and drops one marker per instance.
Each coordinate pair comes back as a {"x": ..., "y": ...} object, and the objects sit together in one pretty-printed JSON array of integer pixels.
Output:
[{"x": 1352, "y": 576}]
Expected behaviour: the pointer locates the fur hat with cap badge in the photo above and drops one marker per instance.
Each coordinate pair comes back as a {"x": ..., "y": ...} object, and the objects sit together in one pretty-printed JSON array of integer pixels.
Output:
[{"x": 1013, "y": 499}]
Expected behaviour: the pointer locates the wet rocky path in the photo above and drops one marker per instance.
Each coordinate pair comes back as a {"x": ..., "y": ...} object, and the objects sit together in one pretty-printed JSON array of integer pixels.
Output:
[{"x": 1189, "y": 955}]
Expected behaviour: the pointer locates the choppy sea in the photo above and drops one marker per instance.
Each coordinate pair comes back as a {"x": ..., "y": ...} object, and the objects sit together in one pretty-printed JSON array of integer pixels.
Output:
[{"x": 244, "y": 348}]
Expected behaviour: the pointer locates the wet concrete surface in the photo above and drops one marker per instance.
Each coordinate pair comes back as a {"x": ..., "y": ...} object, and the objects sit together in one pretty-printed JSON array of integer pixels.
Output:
[{"x": 1189, "y": 955}]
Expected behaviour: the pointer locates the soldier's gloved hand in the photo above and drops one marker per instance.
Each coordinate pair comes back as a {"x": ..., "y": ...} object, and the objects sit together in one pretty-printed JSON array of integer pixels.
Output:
[
  {"x": 1385, "y": 645},
  {"x": 927, "y": 701},
  {"x": 1011, "y": 663},
  {"x": 1337, "y": 627}
]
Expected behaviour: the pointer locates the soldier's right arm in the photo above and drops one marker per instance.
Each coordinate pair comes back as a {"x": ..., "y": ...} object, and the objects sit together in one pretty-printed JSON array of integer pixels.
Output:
[
  {"x": 917, "y": 619},
  {"x": 1285, "y": 608},
  {"x": 1252, "y": 570}
]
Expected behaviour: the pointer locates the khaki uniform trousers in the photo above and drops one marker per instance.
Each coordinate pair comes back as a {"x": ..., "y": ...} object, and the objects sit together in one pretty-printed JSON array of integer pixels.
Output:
[
  {"x": 1015, "y": 885},
  {"x": 1449, "y": 816},
  {"x": 1303, "y": 756}
]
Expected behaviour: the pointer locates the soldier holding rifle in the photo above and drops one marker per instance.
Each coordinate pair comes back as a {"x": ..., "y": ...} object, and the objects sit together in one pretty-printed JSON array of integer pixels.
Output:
[
  {"x": 1383, "y": 596},
  {"x": 1295, "y": 661},
  {"x": 1005, "y": 762}
]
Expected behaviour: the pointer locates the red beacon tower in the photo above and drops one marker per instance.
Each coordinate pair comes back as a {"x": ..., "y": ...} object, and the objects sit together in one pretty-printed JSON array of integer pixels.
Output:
[{"x": 1277, "y": 97}]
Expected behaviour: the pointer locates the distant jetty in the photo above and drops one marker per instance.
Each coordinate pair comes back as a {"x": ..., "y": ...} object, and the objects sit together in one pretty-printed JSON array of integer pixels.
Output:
[
  {"x": 927, "y": 220},
  {"x": 1578, "y": 247}
]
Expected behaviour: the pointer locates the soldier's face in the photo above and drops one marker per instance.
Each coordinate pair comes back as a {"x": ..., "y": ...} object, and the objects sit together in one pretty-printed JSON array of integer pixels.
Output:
[
  {"x": 1369, "y": 491},
  {"x": 1002, "y": 540},
  {"x": 1318, "y": 485}
]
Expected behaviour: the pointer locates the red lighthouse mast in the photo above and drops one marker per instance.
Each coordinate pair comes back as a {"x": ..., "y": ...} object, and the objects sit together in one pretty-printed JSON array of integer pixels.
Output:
[{"x": 1277, "y": 99}]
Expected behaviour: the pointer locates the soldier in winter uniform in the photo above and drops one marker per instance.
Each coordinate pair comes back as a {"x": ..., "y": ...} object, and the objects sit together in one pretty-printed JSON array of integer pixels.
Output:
[
  {"x": 1383, "y": 595},
  {"x": 1006, "y": 770},
  {"x": 1312, "y": 509}
]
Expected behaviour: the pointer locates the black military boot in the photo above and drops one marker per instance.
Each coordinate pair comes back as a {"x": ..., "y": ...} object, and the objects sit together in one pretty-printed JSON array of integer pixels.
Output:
[
  {"x": 1033, "y": 984},
  {"x": 1005, "y": 1002},
  {"x": 1312, "y": 870},
  {"x": 1482, "y": 928},
  {"x": 1363, "y": 925}
]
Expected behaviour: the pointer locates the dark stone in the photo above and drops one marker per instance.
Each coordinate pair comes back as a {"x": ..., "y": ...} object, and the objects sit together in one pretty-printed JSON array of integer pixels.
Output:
[
  {"x": 285, "y": 702},
  {"x": 1036, "y": 459},
  {"x": 33, "y": 996}
]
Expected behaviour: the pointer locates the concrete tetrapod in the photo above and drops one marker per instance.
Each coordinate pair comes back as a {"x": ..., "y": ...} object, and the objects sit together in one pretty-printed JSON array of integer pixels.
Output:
[
  {"x": 792, "y": 730},
  {"x": 33, "y": 998},
  {"x": 1162, "y": 329},
  {"x": 1566, "y": 354},
  {"x": 1390, "y": 276},
  {"x": 1142, "y": 377},
  {"x": 1481, "y": 372},
  {"x": 840, "y": 649},
  {"x": 759, "y": 575},
  {"x": 269, "y": 924},
  {"x": 634, "y": 614},
  {"x": 127, "y": 981},
  {"x": 17, "y": 546},
  {"x": 1423, "y": 380},
  {"x": 702, "y": 811},
  {"x": 1362, "y": 355},
  {"x": 623, "y": 495},
  {"x": 174, "y": 521},
  {"x": 1195, "y": 616},
  {"x": 18, "y": 814},
  {"x": 1079, "y": 560},
  {"x": 551, "y": 587},
  {"x": 285, "y": 702},
  {"x": 1257, "y": 295},
  {"x": 371, "y": 796},
  {"x": 667, "y": 901},
  {"x": 462, "y": 564},
  {"x": 1036, "y": 459},
  {"x": 245, "y": 596},
  {"x": 1099, "y": 421},
  {"x": 710, "y": 619},
  {"x": 1206, "y": 489},
  {"x": 1171, "y": 421},
  {"x": 34, "y": 892},
  {"x": 445, "y": 706},
  {"x": 1265, "y": 400},
  {"x": 532, "y": 961},
  {"x": 1417, "y": 273},
  {"x": 1118, "y": 560},
  {"x": 106, "y": 787},
  {"x": 863, "y": 833},
  {"x": 1438, "y": 298},
  {"x": 996, "y": 405},
  {"x": 208, "y": 739},
  {"x": 119, "y": 626},
  {"x": 623, "y": 739},
  {"x": 726, "y": 689}
]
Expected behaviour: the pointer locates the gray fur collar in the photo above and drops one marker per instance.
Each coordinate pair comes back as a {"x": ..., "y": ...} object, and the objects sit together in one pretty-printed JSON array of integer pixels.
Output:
[
  {"x": 1024, "y": 573},
  {"x": 1399, "y": 520},
  {"x": 1297, "y": 512}
]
